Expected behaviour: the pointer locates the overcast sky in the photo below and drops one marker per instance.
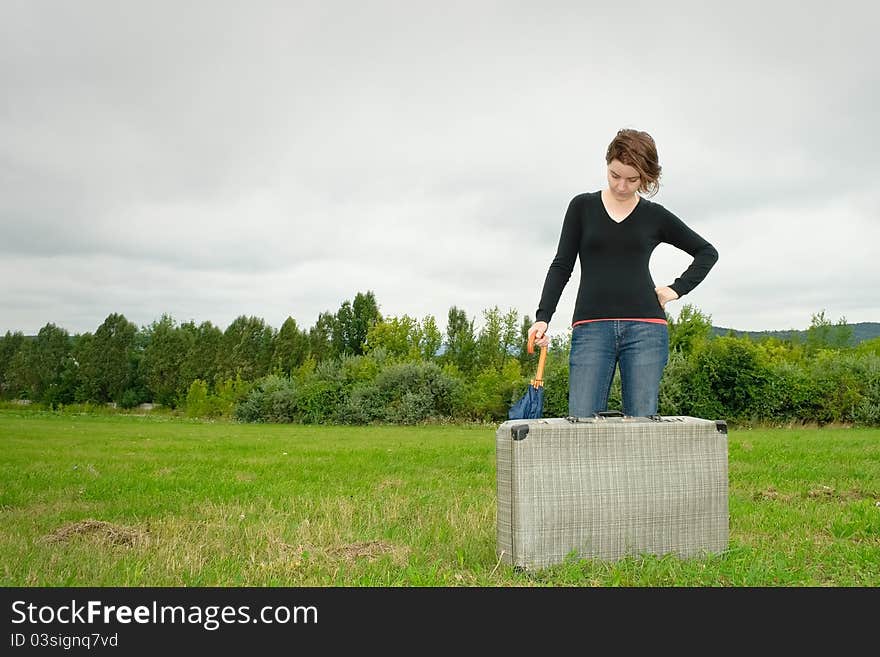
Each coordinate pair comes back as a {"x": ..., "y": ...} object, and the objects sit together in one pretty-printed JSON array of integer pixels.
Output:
[{"x": 216, "y": 159}]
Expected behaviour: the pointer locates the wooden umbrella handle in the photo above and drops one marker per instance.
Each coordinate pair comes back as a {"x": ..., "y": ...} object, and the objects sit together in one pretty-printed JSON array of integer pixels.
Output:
[{"x": 538, "y": 381}]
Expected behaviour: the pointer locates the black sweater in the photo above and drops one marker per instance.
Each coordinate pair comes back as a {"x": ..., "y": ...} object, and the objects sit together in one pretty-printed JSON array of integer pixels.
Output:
[{"x": 616, "y": 281}]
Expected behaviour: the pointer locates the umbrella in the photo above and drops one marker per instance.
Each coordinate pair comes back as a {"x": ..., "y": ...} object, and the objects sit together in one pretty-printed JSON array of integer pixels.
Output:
[{"x": 531, "y": 405}]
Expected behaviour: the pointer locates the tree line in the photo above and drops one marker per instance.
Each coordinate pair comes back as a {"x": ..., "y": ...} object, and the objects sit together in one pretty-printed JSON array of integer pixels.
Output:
[
  {"x": 127, "y": 365},
  {"x": 358, "y": 366}
]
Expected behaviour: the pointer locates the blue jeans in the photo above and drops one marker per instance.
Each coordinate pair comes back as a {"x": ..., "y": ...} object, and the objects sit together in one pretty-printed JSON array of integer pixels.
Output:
[{"x": 597, "y": 348}]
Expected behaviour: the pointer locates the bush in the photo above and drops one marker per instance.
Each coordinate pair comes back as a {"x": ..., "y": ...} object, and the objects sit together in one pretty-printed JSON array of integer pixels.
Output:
[
  {"x": 364, "y": 405},
  {"x": 197, "y": 399},
  {"x": 416, "y": 391},
  {"x": 674, "y": 386},
  {"x": 282, "y": 405},
  {"x": 722, "y": 378},
  {"x": 131, "y": 398},
  {"x": 555, "y": 376},
  {"x": 845, "y": 387},
  {"x": 319, "y": 400},
  {"x": 411, "y": 408},
  {"x": 727, "y": 380},
  {"x": 229, "y": 394},
  {"x": 272, "y": 399},
  {"x": 360, "y": 369}
]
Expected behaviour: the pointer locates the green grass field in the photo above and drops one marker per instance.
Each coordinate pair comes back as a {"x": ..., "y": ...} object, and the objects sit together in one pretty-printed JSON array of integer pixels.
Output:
[{"x": 156, "y": 501}]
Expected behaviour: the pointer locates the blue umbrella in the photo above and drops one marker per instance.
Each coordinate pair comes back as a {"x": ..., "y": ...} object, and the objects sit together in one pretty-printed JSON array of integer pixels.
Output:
[{"x": 531, "y": 405}]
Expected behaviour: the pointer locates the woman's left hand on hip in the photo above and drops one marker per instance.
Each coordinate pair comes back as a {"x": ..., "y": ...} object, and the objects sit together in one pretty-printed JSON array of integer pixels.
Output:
[{"x": 665, "y": 294}]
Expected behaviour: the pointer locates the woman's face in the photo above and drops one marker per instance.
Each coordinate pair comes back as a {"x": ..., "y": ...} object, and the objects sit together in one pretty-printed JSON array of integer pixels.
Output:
[{"x": 623, "y": 180}]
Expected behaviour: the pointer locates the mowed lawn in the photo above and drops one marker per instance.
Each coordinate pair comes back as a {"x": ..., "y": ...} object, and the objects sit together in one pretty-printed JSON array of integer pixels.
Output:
[{"x": 157, "y": 501}]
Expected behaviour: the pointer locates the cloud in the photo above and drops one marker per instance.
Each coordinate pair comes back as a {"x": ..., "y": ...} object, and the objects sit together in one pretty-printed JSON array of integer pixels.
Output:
[{"x": 211, "y": 160}]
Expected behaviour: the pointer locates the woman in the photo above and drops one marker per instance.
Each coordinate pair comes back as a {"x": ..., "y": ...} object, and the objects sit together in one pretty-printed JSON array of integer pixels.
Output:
[{"x": 619, "y": 316}]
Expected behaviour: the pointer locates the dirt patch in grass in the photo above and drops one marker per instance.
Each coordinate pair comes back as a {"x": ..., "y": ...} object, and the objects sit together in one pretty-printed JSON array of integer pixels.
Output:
[
  {"x": 770, "y": 493},
  {"x": 820, "y": 493},
  {"x": 288, "y": 549},
  {"x": 101, "y": 531},
  {"x": 829, "y": 493},
  {"x": 370, "y": 550}
]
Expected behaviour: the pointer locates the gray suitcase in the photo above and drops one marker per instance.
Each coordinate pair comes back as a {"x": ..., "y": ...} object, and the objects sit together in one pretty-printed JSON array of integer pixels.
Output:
[{"x": 610, "y": 486}]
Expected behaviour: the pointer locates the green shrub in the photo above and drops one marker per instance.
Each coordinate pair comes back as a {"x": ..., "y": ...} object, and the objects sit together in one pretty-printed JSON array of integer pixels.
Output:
[
  {"x": 365, "y": 404},
  {"x": 727, "y": 380},
  {"x": 131, "y": 398},
  {"x": 411, "y": 408},
  {"x": 416, "y": 391},
  {"x": 228, "y": 394},
  {"x": 282, "y": 405},
  {"x": 845, "y": 386},
  {"x": 555, "y": 382},
  {"x": 197, "y": 399},
  {"x": 786, "y": 394},
  {"x": 272, "y": 399},
  {"x": 318, "y": 401},
  {"x": 674, "y": 386}
]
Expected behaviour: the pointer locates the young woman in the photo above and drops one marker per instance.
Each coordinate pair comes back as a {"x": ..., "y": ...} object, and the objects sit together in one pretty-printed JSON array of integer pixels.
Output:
[{"x": 619, "y": 316}]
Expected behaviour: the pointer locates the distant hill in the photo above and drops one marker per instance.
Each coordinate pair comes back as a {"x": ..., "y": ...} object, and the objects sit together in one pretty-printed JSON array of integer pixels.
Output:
[{"x": 861, "y": 331}]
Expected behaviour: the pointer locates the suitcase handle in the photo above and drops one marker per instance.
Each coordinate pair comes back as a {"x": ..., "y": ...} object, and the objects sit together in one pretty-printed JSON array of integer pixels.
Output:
[
  {"x": 606, "y": 414},
  {"x": 595, "y": 416}
]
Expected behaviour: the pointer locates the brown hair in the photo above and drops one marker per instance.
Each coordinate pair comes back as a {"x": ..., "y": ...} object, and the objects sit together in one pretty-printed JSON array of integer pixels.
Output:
[{"x": 638, "y": 150}]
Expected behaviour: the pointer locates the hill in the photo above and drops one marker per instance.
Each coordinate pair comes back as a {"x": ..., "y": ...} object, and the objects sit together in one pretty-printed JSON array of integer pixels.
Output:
[{"x": 861, "y": 331}]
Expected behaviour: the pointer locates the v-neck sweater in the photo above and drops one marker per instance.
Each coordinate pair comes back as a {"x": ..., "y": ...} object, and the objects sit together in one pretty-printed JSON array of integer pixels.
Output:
[{"x": 616, "y": 280}]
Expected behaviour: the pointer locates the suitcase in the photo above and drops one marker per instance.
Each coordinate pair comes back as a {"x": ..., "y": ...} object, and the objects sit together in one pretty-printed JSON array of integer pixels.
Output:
[{"x": 610, "y": 486}]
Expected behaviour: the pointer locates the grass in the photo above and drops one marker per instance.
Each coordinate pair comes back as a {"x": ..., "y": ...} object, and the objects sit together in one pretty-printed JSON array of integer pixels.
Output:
[{"x": 116, "y": 500}]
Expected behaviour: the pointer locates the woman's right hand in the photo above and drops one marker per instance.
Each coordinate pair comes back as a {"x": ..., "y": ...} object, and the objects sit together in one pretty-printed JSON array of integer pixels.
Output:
[{"x": 539, "y": 330}]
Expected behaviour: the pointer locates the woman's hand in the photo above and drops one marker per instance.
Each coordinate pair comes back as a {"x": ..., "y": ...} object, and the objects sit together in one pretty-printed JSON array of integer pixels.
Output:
[
  {"x": 539, "y": 330},
  {"x": 665, "y": 294}
]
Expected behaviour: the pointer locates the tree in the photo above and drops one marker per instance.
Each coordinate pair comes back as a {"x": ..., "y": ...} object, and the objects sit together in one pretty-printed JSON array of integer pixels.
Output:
[
  {"x": 246, "y": 349},
  {"x": 86, "y": 385},
  {"x": 461, "y": 346},
  {"x": 291, "y": 346},
  {"x": 842, "y": 335},
  {"x": 21, "y": 376},
  {"x": 523, "y": 352},
  {"x": 498, "y": 339},
  {"x": 365, "y": 313},
  {"x": 163, "y": 361},
  {"x": 822, "y": 334},
  {"x": 50, "y": 360},
  {"x": 321, "y": 337},
  {"x": 10, "y": 344},
  {"x": 405, "y": 338},
  {"x": 691, "y": 327},
  {"x": 871, "y": 346},
  {"x": 343, "y": 330},
  {"x": 353, "y": 322},
  {"x": 108, "y": 360},
  {"x": 398, "y": 336},
  {"x": 202, "y": 359},
  {"x": 430, "y": 338}
]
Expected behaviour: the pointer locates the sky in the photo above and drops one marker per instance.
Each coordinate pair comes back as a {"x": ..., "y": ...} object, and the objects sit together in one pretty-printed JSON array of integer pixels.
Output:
[{"x": 215, "y": 159}]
